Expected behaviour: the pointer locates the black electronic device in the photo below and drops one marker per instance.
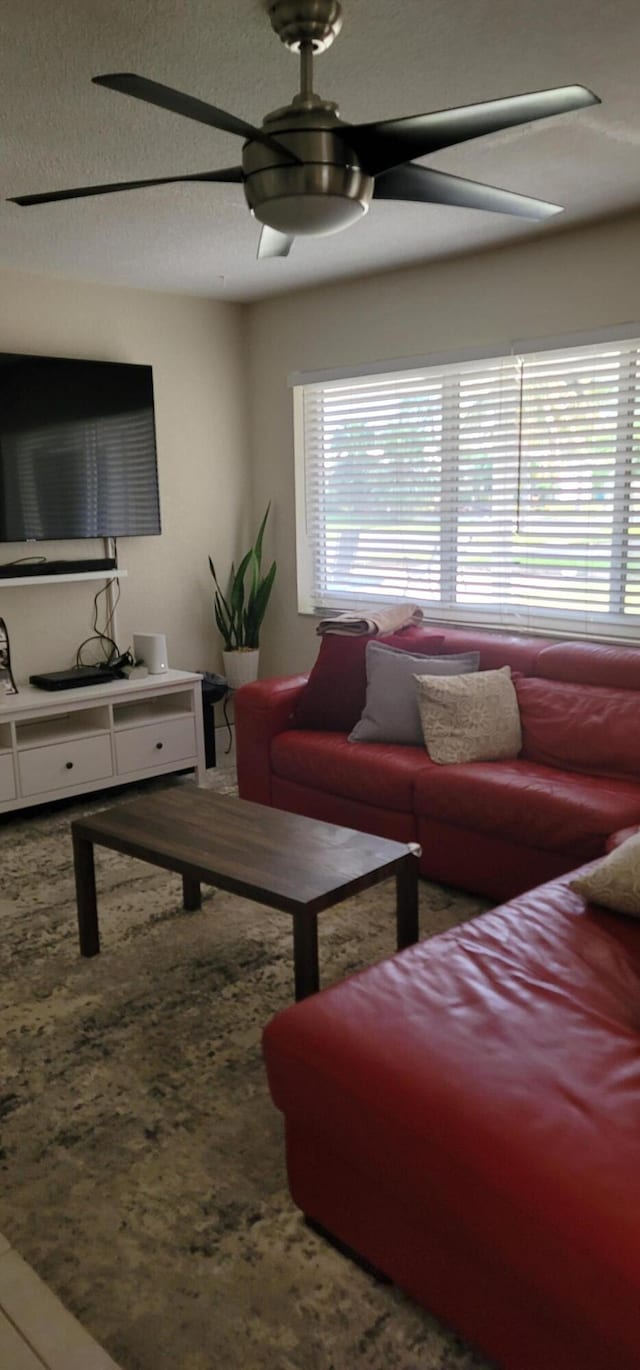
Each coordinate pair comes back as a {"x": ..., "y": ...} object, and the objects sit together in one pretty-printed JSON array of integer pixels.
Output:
[
  {"x": 74, "y": 678},
  {"x": 10, "y": 569},
  {"x": 77, "y": 450},
  {"x": 214, "y": 688}
]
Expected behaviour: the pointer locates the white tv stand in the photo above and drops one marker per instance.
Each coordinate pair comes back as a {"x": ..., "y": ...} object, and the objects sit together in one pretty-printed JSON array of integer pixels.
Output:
[{"x": 60, "y": 743}]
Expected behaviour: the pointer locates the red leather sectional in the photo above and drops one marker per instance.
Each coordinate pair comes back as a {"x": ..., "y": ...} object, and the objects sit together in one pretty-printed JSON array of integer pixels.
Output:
[
  {"x": 496, "y": 828},
  {"x": 466, "y": 1116}
]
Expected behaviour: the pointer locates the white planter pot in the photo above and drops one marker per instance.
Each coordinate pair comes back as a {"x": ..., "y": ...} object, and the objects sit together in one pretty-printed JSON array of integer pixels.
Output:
[{"x": 241, "y": 667}]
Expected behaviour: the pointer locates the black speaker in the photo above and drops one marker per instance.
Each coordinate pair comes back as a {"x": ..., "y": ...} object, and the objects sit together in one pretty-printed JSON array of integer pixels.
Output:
[{"x": 214, "y": 687}]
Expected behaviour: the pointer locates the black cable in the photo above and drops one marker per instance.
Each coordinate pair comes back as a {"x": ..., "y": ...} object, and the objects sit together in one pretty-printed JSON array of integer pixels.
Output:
[
  {"x": 108, "y": 624},
  {"x": 226, "y": 719},
  {"x": 17, "y": 561},
  {"x": 98, "y": 635}
]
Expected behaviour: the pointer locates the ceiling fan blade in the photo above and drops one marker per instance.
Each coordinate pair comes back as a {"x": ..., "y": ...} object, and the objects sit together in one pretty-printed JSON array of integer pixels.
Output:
[
  {"x": 232, "y": 174},
  {"x": 396, "y": 141},
  {"x": 175, "y": 100},
  {"x": 438, "y": 188},
  {"x": 274, "y": 244}
]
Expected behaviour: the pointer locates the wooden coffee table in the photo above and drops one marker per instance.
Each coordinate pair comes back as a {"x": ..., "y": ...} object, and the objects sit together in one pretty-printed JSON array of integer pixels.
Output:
[{"x": 291, "y": 863}]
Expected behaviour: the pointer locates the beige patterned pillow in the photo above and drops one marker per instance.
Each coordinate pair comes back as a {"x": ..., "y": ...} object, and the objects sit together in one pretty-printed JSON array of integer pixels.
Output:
[
  {"x": 615, "y": 881},
  {"x": 470, "y": 717}
]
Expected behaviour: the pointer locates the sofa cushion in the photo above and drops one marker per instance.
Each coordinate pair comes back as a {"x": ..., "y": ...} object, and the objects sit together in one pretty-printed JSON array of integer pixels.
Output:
[
  {"x": 580, "y": 727},
  {"x": 470, "y": 717},
  {"x": 529, "y": 804},
  {"x": 334, "y": 696},
  {"x": 615, "y": 881},
  {"x": 391, "y": 711},
  {"x": 372, "y": 773}
]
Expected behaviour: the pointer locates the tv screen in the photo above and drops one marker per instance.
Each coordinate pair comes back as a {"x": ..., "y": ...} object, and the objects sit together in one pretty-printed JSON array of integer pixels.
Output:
[{"x": 77, "y": 449}]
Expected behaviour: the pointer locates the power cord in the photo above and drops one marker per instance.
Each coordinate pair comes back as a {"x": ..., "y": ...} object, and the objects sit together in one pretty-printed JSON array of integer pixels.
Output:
[
  {"x": 103, "y": 637},
  {"x": 18, "y": 561},
  {"x": 115, "y": 661}
]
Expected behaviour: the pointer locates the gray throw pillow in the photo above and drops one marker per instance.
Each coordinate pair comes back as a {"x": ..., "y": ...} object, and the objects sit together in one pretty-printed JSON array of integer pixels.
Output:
[{"x": 391, "y": 712}]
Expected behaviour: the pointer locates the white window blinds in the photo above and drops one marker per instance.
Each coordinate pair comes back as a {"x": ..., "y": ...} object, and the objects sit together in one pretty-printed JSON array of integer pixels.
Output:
[{"x": 503, "y": 491}]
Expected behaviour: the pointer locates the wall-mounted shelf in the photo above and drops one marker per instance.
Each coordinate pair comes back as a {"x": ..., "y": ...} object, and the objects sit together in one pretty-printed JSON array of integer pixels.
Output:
[{"x": 57, "y": 580}]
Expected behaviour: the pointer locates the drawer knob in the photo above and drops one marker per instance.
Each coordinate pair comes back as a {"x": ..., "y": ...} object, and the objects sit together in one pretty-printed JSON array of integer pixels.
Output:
[
  {"x": 68, "y": 765},
  {"x": 159, "y": 746}
]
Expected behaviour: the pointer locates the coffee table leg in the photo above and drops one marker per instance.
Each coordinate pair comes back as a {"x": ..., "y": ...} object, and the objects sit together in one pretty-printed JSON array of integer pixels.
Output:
[
  {"x": 305, "y": 954},
  {"x": 86, "y": 896},
  {"x": 407, "y": 902},
  {"x": 191, "y": 893}
]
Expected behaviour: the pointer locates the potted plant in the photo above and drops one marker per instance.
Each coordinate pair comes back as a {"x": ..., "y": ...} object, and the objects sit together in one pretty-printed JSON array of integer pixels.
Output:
[{"x": 240, "y": 612}]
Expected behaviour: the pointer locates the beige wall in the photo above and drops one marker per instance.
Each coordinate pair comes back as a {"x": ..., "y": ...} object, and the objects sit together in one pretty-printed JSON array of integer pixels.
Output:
[
  {"x": 196, "y": 348},
  {"x": 571, "y": 282},
  {"x": 217, "y": 366}
]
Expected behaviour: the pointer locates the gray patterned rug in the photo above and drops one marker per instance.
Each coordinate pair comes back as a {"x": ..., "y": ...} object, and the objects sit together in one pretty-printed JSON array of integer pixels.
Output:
[{"x": 141, "y": 1158}]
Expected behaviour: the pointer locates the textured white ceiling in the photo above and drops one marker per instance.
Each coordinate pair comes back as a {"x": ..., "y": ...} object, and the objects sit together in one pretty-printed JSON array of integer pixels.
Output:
[{"x": 393, "y": 58}]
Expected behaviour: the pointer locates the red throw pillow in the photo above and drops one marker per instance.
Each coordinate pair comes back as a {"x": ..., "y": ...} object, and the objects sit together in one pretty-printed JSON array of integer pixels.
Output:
[{"x": 335, "y": 693}]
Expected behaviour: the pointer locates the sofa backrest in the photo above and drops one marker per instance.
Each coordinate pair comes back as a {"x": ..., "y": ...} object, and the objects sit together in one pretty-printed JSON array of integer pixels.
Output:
[
  {"x": 579, "y": 701},
  {"x": 589, "y": 728},
  {"x": 496, "y": 649},
  {"x": 585, "y": 663},
  {"x": 591, "y": 663}
]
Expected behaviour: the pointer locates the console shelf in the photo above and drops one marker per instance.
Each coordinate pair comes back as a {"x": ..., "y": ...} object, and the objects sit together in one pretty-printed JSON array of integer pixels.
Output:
[
  {"x": 56, "y": 744},
  {"x": 14, "y": 581}
]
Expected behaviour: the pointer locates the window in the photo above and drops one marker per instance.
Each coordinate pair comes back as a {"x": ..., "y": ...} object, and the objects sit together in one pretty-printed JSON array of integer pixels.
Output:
[{"x": 505, "y": 491}]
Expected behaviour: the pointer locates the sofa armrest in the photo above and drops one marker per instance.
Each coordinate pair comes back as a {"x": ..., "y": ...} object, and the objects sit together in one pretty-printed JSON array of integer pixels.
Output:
[{"x": 262, "y": 710}]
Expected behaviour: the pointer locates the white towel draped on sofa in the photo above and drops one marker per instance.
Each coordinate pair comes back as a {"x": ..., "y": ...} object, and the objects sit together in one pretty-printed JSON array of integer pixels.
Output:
[{"x": 386, "y": 620}]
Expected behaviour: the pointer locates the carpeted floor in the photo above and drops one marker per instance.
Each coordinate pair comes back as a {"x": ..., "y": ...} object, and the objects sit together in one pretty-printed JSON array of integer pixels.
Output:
[{"x": 141, "y": 1160}]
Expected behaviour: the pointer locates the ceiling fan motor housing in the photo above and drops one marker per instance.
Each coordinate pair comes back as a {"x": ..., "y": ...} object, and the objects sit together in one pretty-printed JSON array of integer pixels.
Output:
[{"x": 323, "y": 193}]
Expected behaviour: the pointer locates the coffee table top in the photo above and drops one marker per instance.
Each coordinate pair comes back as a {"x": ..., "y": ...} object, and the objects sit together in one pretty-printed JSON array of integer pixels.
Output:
[{"x": 283, "y": 859}]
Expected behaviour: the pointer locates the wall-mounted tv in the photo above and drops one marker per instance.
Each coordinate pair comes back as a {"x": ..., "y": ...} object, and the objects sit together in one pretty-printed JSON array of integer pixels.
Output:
[{"x": 77, "y": 449}]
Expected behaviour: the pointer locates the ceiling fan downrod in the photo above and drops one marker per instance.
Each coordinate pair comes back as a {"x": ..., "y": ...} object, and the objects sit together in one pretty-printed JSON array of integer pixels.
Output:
[{"x": 306, "y": 73}]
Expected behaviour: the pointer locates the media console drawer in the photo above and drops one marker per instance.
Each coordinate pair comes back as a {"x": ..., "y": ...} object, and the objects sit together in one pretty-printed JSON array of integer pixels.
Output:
[
  {"x": 153, "y": 744},
  {"x": 64, "y": 764}
]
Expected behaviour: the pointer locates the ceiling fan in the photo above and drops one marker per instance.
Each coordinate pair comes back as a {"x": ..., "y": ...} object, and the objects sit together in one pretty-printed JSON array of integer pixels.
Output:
[{"x": 306, "y": 171}]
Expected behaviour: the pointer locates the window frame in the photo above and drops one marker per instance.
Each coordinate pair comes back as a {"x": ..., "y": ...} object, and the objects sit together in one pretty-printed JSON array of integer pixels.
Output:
[{"x": 579, "y": 623}]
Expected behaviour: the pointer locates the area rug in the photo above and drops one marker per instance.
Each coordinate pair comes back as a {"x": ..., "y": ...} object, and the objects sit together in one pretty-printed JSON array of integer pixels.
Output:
[{"x": 142, "y": 1161}]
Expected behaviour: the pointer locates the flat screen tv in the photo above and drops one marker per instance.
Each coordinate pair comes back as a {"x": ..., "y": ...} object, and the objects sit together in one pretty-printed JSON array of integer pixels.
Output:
[{"x": 77, "y": 449}]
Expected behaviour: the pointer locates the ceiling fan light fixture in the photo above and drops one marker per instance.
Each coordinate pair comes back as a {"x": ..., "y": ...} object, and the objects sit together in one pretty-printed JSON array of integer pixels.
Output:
[
  {"x": 318, "y": 198},
  {"x": 314, "y": 215}
]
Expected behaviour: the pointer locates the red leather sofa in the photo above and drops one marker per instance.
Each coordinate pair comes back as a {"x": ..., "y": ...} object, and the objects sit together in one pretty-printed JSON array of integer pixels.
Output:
[
  {"x": 466, "y": 1116},
  {"x": 495, "y": 828}
]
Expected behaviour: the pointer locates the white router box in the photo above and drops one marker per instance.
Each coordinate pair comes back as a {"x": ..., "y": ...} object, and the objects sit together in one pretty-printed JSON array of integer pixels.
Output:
[{"x": 151, "y": 649}]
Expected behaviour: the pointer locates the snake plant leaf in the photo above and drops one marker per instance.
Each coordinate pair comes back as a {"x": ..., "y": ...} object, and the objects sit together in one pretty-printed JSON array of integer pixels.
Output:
[
  {"x": 237, "y": 591},
  {"x": 239, "y": 613},
  {"x": 258, "y": 542},
  {"x": 258, "y": 606},
  {"x": 224, "y": 624}
]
